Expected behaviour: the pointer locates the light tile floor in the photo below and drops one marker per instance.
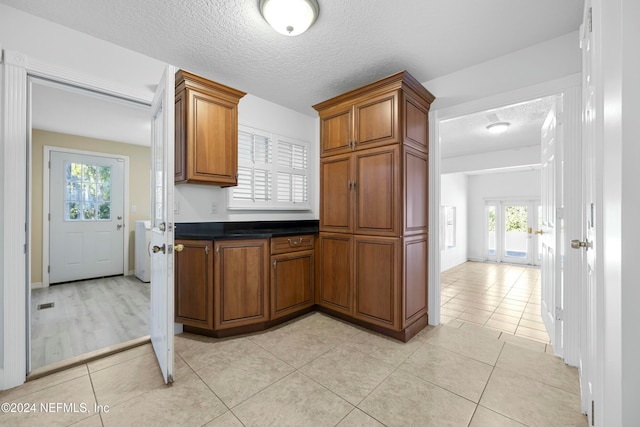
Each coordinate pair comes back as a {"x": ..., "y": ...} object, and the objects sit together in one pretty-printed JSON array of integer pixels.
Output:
[
  {"x": 499, "y": 296},
  {"x": 316, "y": 371}
]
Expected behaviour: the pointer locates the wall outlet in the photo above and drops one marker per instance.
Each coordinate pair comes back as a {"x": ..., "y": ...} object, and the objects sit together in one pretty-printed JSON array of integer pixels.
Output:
[
  {"x": 176, "y": 207},
  {"x": 214, "y": 207}
]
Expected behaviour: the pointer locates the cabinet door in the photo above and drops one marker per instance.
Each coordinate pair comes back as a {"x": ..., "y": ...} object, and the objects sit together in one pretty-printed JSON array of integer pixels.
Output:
[
  {"x": 376, "y": 121},
  {"x": 335, "y": 130},
  {"x": 377, "y": 278},
  {"x": 241, "y": 268},
  {"x": 415, "y": 279},
  {"x": 291, "y": 282},
  {"x": 377, "y": 191},
  {"x": 212, "y": 131},
  {"x": 416, "y": 123},
  {"x": 194, "y": 283},
  {"x": 336, "y": 174},
  {"x": 416, "y": 192},
  {"x": 334, "y": 272}
]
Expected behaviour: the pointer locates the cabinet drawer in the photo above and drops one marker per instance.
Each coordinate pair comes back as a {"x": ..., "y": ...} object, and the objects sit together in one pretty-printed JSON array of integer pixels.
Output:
[{"x": 291, "y": 243}]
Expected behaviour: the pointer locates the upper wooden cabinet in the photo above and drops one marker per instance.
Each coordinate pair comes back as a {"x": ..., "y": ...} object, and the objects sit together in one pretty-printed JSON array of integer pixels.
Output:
[
  {"x": 206, "y": 131},
  {"x": 390, "y": 111}
]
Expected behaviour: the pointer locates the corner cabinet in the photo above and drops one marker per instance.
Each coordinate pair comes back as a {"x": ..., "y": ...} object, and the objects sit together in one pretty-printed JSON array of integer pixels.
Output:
[
  {"x": 374, "y": 167},
  {"x": 206, "y": 131}
]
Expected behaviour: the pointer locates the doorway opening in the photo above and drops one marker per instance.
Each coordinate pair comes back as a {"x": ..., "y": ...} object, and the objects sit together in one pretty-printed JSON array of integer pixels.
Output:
[{"x": 88, "y": 169}]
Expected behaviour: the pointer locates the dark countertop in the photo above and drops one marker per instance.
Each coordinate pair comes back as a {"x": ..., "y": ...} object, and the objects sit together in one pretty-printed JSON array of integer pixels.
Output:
[{"x": 243, "y": 230}]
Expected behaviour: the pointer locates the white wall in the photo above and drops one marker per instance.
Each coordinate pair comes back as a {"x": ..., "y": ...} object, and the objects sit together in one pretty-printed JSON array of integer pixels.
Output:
[
  {"x": 509, "y": 185},
  {"x": 195, "y": 200},
  {"x": 454, "y": 188},
  {"x": 537, "y": 64}
]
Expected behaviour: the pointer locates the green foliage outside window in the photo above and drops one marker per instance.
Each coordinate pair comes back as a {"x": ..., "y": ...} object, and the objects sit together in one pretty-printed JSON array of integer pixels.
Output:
[{"x": 515, "y": 218}]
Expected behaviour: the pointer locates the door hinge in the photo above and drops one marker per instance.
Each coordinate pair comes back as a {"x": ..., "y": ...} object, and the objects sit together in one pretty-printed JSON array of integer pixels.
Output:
[
  {"x": 559, "y": 313},
  {"x": 48, "y": 269},
  {"x": 593, "y": 409},
  {"x": 49, "y": 216},
  {"x": 25, "y": 248},
  {"x": 590, "y": 19},
  {"x": 559, "y": 213},
  {"x": 49, "y": 164}
]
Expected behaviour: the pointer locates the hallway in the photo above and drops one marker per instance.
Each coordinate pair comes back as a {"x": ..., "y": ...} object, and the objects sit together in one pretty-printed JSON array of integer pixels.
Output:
[{"x": 499, "y": 296}]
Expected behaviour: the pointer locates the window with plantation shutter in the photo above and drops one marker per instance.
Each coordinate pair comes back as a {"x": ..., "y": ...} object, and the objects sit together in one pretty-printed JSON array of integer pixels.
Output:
[{"x": 273, "y": 172}]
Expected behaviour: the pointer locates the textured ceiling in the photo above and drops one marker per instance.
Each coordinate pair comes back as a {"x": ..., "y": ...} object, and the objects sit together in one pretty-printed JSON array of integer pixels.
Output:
[
  {"x": 468, "y": 134},
  {"x": 352, "y": 43}
]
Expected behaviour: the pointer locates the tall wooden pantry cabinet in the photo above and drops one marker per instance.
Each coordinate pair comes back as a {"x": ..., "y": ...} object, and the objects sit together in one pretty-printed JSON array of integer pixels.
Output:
[{"x": 374, "y": 164}]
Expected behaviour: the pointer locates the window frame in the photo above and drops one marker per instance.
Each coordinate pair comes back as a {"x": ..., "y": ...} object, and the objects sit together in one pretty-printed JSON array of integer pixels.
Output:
[{"x": 272, "y": 203}]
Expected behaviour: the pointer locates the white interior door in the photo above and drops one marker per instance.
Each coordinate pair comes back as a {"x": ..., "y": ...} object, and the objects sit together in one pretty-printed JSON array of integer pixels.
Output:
[
  {"x": 86, "y": 209},
  {"x": 162, "y": 167},
  {"x": 550, "y": 267},
  {"x": 588, "y": 245}
]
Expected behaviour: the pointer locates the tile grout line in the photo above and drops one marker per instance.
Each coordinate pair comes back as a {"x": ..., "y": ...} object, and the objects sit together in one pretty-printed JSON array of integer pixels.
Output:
[{"x": 95, "y": 396}]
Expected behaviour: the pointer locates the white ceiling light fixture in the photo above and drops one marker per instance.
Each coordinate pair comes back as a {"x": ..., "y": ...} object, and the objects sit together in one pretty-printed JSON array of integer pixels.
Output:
[
  {"x": 290, "y": 17},
  {"x": 498, "y": 127}
]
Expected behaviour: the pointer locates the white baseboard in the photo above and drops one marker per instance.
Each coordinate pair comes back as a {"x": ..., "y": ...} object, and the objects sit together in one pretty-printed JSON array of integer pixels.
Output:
[{"x": 37, "y": 285}]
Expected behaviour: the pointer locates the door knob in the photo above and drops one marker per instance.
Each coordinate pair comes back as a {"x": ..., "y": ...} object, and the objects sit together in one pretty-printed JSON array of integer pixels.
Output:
[
  {"x": 118, "y": 227},
  {"x": 157, "y": 249},
  {"x": 577, "y": 244},
  {"x": 179, "y": 247},
  {"x": 539, "y": 232}
]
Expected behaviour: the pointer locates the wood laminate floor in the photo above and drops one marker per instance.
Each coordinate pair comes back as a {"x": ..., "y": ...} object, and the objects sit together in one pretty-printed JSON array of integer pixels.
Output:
[{"x": 87, "y": 316}]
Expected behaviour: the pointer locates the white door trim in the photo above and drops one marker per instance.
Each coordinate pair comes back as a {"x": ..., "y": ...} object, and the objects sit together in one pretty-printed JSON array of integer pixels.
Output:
[
  {"x": 45, "y": 205},
  {"x": 13, "y": 207},
  {"x": 570, "y": 87}
]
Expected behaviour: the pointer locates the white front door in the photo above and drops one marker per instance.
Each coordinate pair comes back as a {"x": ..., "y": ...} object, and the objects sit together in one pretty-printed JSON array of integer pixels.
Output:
[
  {"x": 551, "y": 285},
  {"x": 86, "y": 210},
  {"x": 162, "y": 226}
]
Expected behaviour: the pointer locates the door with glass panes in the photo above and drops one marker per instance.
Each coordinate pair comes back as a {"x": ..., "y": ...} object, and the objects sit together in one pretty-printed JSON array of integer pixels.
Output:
[
  {"x": 512, "y": 231},
  {"x": 86, "y": 210}
]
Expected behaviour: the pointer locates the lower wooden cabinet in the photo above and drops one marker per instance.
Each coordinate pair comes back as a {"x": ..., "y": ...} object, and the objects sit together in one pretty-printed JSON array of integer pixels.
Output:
[
  {"x": 240, "y": 282},
  {"x": 334, "y": 272},
  {"x": 381, "y": 282},
  {"x": 193, "y": 270},
  {"x": 291, "y": 283},
  {"x": 377, "y": 280}
]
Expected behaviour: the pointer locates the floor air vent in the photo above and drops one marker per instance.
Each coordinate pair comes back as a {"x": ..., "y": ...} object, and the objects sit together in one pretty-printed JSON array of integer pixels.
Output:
[{"x": 46, "y": 305}]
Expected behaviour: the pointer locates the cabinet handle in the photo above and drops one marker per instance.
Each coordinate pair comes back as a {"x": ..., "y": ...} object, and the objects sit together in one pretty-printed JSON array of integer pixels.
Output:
[
  {"x": 206, "y": 250},
  {"x": 218, "y": 250},
  {"x": 353, "y": 184},
  {"x": 274, "y": 264},
  {"x": 349, "y": 184},
  {"x": 349, "y": 144},
  {"x": 293, "y": 242}
]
